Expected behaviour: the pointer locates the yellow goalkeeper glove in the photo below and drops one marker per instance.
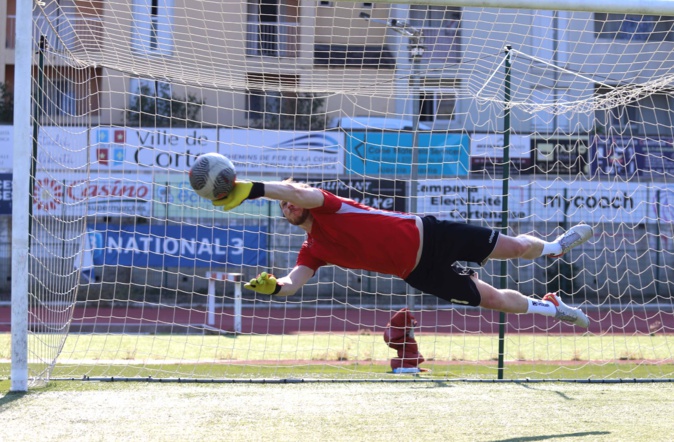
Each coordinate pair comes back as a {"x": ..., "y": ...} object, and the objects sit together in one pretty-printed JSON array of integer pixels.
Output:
[
  {"x": 265, "y": 284},
  {"x": 243, "y": 190}
]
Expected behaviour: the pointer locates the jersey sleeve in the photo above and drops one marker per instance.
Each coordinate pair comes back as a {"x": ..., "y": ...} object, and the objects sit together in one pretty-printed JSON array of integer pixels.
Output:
[
  {"x": 307, "y": 259},
  {"x": 331, "y": 203}
]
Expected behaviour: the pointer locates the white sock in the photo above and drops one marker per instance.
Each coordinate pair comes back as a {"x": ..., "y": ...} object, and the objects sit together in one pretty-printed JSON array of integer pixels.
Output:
[
  {"x": 540, "y": 306},
  {"x": 551, "y": 248}
]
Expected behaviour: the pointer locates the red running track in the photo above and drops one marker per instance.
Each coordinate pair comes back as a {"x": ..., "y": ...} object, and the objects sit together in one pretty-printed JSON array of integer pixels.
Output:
[{"x": 265, "y": 319}]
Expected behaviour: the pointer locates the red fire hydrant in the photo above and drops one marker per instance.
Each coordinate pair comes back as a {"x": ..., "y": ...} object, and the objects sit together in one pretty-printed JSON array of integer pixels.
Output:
[{"x": 399, "y": 335}]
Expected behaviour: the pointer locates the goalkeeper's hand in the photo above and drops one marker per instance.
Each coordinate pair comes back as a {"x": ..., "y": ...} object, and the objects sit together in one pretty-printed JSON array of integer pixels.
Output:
[
  {"x": 239, "y": 194},
  {"x": 265, "y": 284}
]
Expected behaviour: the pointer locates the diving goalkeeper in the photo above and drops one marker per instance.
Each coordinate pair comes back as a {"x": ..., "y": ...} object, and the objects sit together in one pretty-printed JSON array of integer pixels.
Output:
[{"x": 422, "y": 251}]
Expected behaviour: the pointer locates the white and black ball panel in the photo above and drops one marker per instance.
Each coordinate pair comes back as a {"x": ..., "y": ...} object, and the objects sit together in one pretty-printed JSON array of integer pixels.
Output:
[
  {"x": 199, "y": 173},
  {"x": 212, "y": 176}
]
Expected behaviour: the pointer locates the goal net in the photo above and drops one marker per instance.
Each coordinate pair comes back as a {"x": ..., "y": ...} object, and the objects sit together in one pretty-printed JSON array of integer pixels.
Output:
[{"x": 523, "y": 120}]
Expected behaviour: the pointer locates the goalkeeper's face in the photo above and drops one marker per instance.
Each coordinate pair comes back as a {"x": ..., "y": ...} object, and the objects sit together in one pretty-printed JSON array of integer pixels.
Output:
[{"x": 295, "y": 215}]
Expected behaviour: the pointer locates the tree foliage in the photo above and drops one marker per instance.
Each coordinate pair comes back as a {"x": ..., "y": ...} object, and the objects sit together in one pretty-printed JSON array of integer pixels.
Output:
[
  {"x": 306, "y": 111},
  {"x": 162, "y": 109},
  {"x": 6, "y": 105}
]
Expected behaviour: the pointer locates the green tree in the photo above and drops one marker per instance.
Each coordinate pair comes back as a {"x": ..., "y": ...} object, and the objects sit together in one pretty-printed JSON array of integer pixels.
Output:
[
  {"x": 6, "y": 105},
  {"x": 162, "y": 109},
  {"x": 306, "y": 111}
]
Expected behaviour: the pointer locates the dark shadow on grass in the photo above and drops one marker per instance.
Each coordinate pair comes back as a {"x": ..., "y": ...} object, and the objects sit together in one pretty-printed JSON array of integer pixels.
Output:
[
  {"x": 554, "y": 436},
  {"x": 559, "y": 393},
  {"x": 10, "y": 397}
]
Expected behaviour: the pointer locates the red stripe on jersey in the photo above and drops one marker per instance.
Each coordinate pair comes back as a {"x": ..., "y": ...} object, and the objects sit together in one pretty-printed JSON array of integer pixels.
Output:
[{"x": 352, "y": 235}]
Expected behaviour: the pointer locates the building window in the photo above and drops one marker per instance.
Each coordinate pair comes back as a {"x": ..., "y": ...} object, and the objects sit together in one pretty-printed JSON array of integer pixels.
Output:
[
  {"x": 58, "y": 97},
  {"x": 442, "y": 32},
  {"x": 633, "y": 27},
  {"x": 437, "y": 105},
  {"x": 152, "y": 27},
  {"x": 269, "y": 106},
  {"x": 438, "y": 99},
  {"x": 272, "y": 28}
]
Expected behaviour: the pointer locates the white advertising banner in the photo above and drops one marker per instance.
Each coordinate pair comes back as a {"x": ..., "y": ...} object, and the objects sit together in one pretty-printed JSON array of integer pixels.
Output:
[
  {"x": 594, "y": 202},
  {"x": 67, "y": 195},
  {"x": 283, "y": 152},
  {"x": 6, "y": 147},
  {"x": 491, "y": 146},
  {"x": 59, "y": 148},
  {"x": 551, "y": 201},
  {"x": 471, "y": 200},
  {"x": 148, "y": 149},
  {"x": 62, "y": 149},
  {"x": 174, "y": 198},
  {"x": 663, "y": 207}
]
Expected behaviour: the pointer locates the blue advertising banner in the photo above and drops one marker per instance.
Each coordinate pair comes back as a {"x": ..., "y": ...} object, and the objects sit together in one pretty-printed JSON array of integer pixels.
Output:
[
  {"x": 390, "y": 153},
  {"x": 629, "y": 156},
  {"x": 5, "y": 193},
  {"x": 179, "y": 246}
]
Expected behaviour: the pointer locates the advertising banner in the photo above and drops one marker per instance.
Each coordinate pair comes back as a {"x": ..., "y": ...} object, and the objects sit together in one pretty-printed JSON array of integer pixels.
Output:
[
  {"x": 80, "y": 195},
  {"x": 59, "y": 148},
  {"x": 471, "y": 200},
  {"x": 592, "y": 203},
  {"x": 390, "y": 154},
  {"x": 284, "y": 153},
  {"x": 378, "y": 194},
  {"x": 663, "y": 207},
  {"x": 551, "y": 201},
  {"x": 5, "y": 193},
  {"x": 629, "y": 156},
  {"x": 148, "y": 149},
  {"x": 174, "y": 198},
  {"x": 6, "y": 147},
  {"x": 486, "y": 152},
  {"x": 559, "y": 155},
  {"x": 62, "y": 149},
  {"x": 178, "y": 246}
]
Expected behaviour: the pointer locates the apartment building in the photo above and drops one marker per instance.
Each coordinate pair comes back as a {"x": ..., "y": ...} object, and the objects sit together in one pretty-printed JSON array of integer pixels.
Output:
[{"x": 244, "y": 59}]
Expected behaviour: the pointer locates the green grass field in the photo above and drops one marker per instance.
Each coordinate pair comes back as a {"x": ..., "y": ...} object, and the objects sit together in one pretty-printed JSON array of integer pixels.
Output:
[
  {"x": 354, "y": 356},
  {"x": 445, "y": 404},
  {"x": 449, "y": 410}
]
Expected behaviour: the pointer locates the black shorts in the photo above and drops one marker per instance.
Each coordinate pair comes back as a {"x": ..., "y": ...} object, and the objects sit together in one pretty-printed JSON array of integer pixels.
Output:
[{"x": 446, "y": 242}]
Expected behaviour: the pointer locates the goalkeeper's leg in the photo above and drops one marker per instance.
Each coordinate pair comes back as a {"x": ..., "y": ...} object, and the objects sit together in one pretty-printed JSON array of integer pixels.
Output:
[
  {"x": 530, "y": 247},
  {"x": 512, "y": 301}
]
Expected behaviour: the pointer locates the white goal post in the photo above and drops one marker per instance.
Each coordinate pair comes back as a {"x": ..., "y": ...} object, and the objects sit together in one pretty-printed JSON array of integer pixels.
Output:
[{"x": 399, "y": 105}]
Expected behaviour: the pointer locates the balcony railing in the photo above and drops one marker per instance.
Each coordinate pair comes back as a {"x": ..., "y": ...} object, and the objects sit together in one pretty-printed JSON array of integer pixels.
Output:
[
  {"x": 70, "y": 32},
  {"x": 272, "y": 39}
]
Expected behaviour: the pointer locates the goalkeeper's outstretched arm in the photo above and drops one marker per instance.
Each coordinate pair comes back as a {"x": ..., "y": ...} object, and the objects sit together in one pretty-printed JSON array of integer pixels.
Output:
[
  {"x": 300, "y": 195},
  {"x": 268, "y": 284}
]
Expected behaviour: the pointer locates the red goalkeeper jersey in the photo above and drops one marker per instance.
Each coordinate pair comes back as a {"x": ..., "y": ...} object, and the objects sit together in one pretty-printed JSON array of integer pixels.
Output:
[{"x": 355, "y": 236}]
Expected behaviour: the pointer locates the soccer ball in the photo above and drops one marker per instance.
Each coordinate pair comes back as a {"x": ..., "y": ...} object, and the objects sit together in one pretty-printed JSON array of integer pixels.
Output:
[{"x": 212, "y": 176}]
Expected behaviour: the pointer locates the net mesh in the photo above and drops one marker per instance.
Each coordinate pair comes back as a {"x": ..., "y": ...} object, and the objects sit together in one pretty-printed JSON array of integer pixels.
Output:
[{"x": 398, "y": 106}]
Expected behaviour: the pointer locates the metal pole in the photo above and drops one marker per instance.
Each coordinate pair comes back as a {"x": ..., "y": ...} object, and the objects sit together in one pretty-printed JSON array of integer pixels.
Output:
[
  {"x": 416, "y": 49},
  {"x": 37, "y": 115},
  {"x": 416, "y": 53},
  {"x": 504, "y": 206}
]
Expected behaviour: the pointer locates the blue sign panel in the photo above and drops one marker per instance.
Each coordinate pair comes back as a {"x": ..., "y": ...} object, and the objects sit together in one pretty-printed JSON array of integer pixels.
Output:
[
  {"x": 390, "y": 153},
  {"x": 179, "y": 246},
  {"x": 5, "y": 193}
]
